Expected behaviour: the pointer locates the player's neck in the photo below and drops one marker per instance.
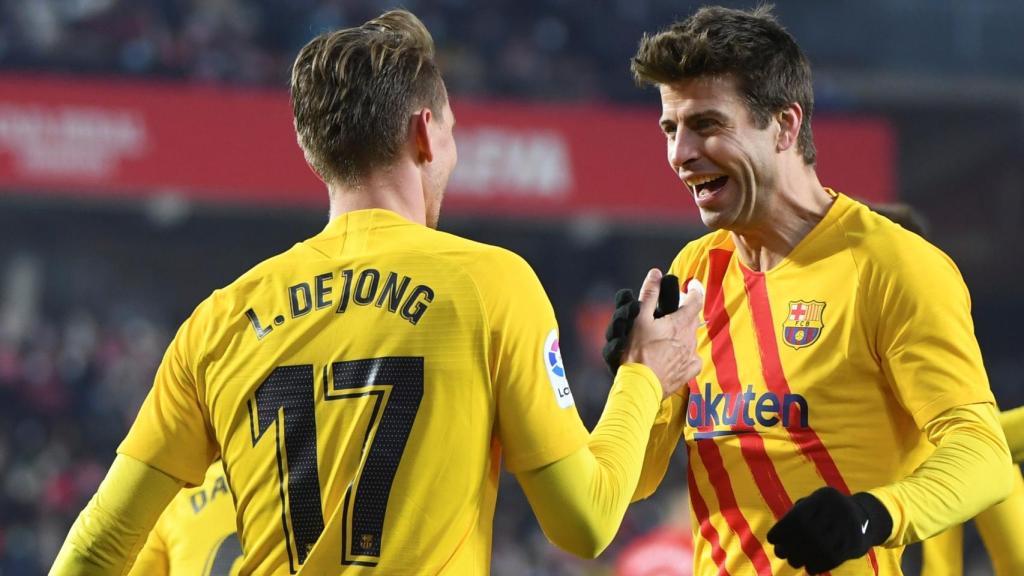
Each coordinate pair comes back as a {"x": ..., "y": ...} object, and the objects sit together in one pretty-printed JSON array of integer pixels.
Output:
[
  {"x": 396, "y": 188},
  {"x": 791, "y": 214}
]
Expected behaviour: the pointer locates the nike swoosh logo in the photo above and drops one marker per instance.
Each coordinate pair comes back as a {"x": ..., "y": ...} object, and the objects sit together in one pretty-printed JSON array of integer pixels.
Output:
[{"x": 864, "y": 527}]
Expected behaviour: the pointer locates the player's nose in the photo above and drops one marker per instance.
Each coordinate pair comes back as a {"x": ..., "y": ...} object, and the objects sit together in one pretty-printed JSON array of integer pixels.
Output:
[{"x": 683, "y": 151}]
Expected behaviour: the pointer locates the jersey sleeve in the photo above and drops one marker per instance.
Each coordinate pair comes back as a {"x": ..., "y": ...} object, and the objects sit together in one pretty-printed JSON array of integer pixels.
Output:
[
  {"x": 926, "y": 339},
  {"x": 670, "y": 420},
  {"x": 537, "y": 422},
  {"x": 152, "y": 559},
  {"x": 171, "y": 432}
]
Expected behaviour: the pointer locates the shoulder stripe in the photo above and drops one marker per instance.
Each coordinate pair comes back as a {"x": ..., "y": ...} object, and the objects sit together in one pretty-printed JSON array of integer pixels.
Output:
[{"x": 807, "y": 440}]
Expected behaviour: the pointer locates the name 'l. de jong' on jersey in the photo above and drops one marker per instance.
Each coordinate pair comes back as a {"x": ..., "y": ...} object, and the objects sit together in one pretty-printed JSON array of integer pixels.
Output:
[{"x": 364, "y": 288}]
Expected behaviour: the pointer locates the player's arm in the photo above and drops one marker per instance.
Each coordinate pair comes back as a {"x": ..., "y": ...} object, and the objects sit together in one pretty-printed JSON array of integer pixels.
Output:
[
  {"x": 999, "y": 528},
  {"x": 1013, "y": 426},
  {"x": 114, "y": 525},
  {"x": 661, "y": 444},
  {"x": 154, "y": 558},
  {"x": 580, "y": 499},
  {"x": 919, "y": 309},
  {"x": 968, "y": 472},
  {"x": 928, "y": 349},
  {"x": 668, "y": 425}
]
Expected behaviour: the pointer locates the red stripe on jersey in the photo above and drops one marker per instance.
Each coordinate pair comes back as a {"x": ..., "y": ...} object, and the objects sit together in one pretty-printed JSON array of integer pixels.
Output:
[
  {"x": 724, "y": 359},
  {"x": 806, "y": 440},
  {"x": 729, "y": 508},
  {"x": 707, "y": 529},
  {"x": 723, "y": 356}
]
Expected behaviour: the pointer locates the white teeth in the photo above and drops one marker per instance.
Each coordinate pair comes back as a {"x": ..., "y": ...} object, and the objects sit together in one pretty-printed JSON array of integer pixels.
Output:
[{"x": 698, "y": 180}]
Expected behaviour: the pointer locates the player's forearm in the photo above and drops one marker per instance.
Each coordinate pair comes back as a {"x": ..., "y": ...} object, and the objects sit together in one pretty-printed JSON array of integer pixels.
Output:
[
  {"x": 152, "y": 559},
  {"x": 1013, "y": 426},
  {"x": 664, "y": 436},
  {"x": 968, "y": 472},
  {"x": 581, "y": 499},
  {"x": 112, "y": 528}
]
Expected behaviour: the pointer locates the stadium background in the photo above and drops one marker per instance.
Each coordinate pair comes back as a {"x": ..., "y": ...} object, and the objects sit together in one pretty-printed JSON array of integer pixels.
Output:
[{"x": 146, "y": 158}]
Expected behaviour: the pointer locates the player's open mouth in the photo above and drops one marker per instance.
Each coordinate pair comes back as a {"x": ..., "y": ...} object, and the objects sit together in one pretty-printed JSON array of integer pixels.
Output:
[{"x": 703, "y": 187}]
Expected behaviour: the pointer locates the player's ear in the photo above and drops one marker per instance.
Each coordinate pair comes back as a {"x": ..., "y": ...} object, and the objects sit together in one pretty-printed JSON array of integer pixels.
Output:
[
  {"x": 419, "y": 129},
  {"x": 790, "y": 119}
]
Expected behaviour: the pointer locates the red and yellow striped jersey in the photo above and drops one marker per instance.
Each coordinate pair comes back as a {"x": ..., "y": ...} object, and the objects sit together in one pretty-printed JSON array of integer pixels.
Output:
[
  {"x": 363, "y": 388},
  {"x": 196, "y": 535},
  {"x": 819, "y": 371}
]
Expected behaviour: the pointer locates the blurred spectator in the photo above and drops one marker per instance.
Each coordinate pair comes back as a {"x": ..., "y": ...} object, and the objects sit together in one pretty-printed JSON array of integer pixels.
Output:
[{"x": 543, "y": 49}]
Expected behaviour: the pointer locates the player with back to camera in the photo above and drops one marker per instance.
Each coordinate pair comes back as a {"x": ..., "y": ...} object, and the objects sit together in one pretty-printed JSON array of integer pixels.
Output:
[
  {"x": 363, "y": 387},
  {"x": 843, "y": 410}
]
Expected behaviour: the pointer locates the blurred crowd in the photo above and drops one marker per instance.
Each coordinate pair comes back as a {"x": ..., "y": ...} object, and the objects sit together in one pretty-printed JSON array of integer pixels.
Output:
[
  {"x": 540, "y": 49},
  {"x": 69, "y": 387}
]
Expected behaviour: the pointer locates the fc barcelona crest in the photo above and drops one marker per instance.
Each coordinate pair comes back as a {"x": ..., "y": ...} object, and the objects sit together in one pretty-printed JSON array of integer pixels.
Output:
[{"x": 803, "y": 325}]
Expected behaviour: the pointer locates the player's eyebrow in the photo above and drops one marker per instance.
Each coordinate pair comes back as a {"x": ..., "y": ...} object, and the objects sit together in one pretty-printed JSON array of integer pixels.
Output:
[
  {"x": 712, "y": 114},
  {"x": 689, "y": 119}
]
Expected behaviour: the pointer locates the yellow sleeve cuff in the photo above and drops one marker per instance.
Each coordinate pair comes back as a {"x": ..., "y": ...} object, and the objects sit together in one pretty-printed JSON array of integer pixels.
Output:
[{"x": 634, "y": 371}]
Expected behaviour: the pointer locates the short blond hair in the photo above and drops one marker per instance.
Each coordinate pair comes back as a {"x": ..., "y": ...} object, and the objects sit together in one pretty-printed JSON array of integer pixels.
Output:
[{"x": 353, "y": 90}]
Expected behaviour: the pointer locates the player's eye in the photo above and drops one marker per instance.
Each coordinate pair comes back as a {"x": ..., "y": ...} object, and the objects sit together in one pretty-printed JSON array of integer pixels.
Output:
[{"x": 704, "y": 125}]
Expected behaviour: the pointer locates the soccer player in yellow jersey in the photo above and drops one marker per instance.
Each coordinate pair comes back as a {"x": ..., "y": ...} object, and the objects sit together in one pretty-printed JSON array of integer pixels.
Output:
[
  {"x": 838, "y": 347},
  {"x": 364, "y": 387},
  {"x": 195, "y": 535}
]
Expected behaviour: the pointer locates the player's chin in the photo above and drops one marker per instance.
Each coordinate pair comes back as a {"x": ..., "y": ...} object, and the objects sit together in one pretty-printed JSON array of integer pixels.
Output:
[{"x": 715, "y": 219}]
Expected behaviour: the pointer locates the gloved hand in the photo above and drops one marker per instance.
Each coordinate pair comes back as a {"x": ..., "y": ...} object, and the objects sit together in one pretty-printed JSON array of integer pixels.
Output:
[
  {"x": 627, "y": 307},
  {"x": 828, "y": 528}
]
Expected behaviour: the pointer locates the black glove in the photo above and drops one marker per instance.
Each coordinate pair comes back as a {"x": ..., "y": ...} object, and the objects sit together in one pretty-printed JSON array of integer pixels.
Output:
[
  {"x": 828, "y": 528},
  {"x": 627, "y": 307}
]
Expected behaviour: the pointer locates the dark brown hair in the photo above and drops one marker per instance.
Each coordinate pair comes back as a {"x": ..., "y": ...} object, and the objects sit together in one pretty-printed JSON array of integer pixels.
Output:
[
  {"x": 353, "y": 91},
  {"x": 751, "y": 46}
]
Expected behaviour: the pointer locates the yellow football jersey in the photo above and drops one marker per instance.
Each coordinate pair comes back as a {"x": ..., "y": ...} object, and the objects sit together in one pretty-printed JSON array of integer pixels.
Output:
[
  {"x": 362, "y": 388},
  {"x": 195, "y": 536},
  {"x": 820, "y": 371}
]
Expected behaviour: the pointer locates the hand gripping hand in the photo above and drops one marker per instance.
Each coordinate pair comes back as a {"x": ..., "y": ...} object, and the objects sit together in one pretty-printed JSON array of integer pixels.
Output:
[
  {"x": 666, "y": 344},
  {"x": 626, "y": 309}
]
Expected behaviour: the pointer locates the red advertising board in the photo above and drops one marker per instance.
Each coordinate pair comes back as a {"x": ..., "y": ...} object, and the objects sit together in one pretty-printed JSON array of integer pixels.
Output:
[{"x": 125, "y": 139}]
